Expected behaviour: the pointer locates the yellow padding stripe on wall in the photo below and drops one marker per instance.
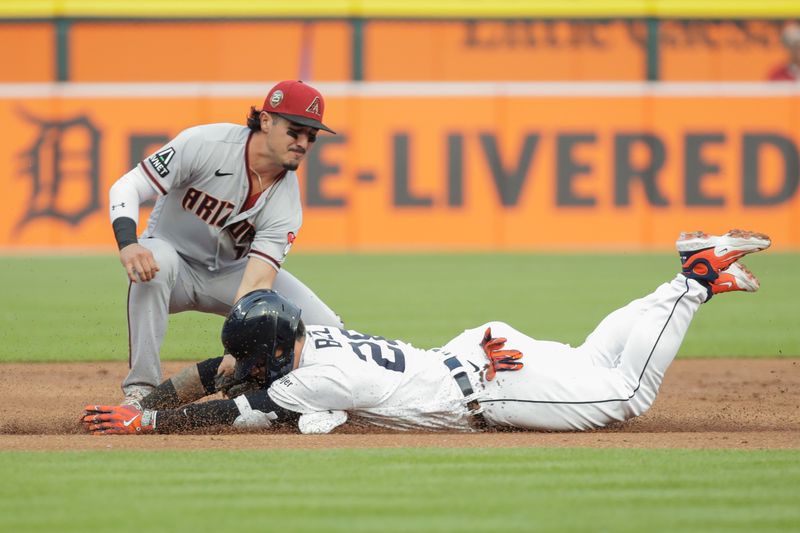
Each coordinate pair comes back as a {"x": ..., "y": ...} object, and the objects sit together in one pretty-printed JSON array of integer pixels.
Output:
[{"x": 401, "y": 8}]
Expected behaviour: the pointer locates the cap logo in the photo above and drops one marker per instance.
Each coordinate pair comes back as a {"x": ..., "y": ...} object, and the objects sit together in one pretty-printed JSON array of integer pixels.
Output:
[
  {"x": 276, "y": 98},
  {"x": 314, "y": 106}
]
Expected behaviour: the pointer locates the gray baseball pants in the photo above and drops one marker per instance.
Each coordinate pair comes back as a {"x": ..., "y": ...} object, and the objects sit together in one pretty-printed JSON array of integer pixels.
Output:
[{"x": 181, "y": 285}]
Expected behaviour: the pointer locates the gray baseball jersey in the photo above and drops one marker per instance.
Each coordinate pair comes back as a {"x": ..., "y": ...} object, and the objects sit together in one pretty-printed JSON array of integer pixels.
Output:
[
  {"x": 204, "y": 170},
  {"x": 613, "y": 376},
  {"x": 205, "y": 224}
]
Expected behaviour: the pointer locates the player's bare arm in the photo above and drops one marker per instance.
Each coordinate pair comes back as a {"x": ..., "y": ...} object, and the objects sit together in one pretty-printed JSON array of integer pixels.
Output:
[
  {"x": 258, "y": 274},
  {"x": 190, "y": 384}
]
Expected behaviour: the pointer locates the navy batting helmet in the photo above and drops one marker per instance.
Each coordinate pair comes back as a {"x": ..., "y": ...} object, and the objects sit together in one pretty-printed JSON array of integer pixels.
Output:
[{"x": 260, "y": 325}]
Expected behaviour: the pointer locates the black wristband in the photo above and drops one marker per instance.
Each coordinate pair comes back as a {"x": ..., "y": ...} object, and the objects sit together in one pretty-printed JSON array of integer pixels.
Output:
[
  {"x": 163, "y": 397},
  {"x": 124, "y": 231},
  {"x": 208, "y": 371}
]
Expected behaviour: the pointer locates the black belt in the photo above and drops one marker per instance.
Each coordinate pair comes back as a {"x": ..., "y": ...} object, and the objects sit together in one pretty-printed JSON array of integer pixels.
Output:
[{"x": 462, "y": 380}]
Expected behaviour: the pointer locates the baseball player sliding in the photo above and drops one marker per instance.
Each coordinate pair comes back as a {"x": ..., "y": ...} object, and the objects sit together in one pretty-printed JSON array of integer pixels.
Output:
[
  {"x": 226, "y": 214},
  {"x": 490, "y": 376}
]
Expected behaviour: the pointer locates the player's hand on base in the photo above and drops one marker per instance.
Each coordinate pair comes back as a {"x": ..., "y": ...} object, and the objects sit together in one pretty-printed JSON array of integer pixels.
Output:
[
  {"x": 118, "y": 420},
  {"x": 139, "y": 262},
  {"x": 500, "y": 360}
]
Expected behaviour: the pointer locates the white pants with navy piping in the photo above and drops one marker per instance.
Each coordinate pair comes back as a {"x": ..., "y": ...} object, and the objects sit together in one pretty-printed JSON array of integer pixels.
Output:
[{"x": 613, "y": 376}]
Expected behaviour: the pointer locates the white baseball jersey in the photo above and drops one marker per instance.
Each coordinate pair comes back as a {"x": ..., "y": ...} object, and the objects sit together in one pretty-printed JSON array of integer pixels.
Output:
[
  {"x": 613, "y": 376},
  {"x": 201, "y": 177},
  {"x": 383, "y": 382}
]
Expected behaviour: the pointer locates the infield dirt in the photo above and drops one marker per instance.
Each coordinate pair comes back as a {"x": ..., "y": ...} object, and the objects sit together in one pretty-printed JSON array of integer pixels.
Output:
[{"x": 703, "y": 403}]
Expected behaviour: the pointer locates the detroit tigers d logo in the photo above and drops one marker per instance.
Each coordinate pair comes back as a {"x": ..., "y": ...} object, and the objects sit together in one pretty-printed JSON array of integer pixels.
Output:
[{"x": 63, "y": 164}]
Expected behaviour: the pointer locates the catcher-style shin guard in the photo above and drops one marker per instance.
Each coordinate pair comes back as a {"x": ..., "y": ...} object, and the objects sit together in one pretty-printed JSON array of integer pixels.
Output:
[{"x": 500, "y": 360}]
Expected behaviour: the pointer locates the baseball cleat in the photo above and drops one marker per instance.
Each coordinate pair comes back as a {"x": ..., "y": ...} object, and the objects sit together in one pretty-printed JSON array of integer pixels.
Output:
[
  {"x": 703, "y": 256},
  {"x": 135, "y": 394},
  {"x": 735, "y": 278}
]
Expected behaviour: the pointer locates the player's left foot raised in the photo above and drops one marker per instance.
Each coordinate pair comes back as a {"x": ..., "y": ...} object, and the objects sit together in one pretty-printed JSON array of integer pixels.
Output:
[
  {"x": 735, "y": 278},
  {"x": 703, "y": 256}
]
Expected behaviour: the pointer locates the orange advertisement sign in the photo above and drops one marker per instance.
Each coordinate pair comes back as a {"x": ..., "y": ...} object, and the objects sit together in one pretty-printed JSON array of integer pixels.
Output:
[
  {"x": 505, "y": 50},
  {"x": 443, "y": 167},
  {"x": 577, "y": 50},
  {"x": 380, "y": 50}
]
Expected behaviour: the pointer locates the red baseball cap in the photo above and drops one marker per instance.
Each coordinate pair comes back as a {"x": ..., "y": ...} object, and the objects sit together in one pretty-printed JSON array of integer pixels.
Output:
[{"x": 297, "y": 102}]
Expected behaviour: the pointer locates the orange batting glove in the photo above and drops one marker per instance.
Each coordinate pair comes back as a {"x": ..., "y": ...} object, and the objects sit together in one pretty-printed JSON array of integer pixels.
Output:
[
  {"x": 500, "y": 360},
  {"x": 118, "y": 420}
]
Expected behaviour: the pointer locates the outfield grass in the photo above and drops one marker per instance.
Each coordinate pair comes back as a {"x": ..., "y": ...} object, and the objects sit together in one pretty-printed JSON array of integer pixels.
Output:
[
  {"x": 384, "y": 490},
  {"x": 73, "y": 308}
]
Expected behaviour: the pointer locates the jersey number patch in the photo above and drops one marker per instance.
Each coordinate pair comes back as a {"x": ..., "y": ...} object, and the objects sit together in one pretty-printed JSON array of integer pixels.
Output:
[{"x": 375, "y": 347}]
